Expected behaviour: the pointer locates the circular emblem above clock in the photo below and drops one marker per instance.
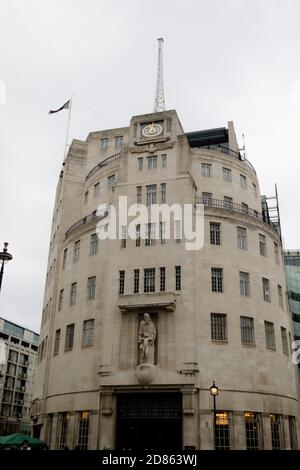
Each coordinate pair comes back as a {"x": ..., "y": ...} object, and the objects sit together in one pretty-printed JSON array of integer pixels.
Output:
[{"x": 152, "y": 130}]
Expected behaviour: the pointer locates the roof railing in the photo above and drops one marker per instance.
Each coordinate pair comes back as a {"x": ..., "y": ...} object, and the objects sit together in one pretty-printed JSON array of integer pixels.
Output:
[
  {"x": 84, "y": 221},
  {"x": 233, "y": 153},
  {"x": 232, "y": 206},
  {"x": 102, "y": 164}
]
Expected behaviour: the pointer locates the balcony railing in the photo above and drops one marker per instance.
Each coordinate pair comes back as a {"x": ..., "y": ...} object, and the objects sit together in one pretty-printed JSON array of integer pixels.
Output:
[
  {"x": 85, "y": 220},
  {"x": 232, "y": 206},
  {"x": 232, "y": 153},
  {"x": 105, "y": 162}
]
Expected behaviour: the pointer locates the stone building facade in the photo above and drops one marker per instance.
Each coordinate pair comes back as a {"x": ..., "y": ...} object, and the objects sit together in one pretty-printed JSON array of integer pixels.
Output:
[
  {"x": 18, "y": 357},
  {"x": 219, "y": 313}
]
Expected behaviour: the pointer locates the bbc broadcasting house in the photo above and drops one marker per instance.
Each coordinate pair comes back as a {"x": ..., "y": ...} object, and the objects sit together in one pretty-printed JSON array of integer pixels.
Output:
[{"x": 109, "y": 377}]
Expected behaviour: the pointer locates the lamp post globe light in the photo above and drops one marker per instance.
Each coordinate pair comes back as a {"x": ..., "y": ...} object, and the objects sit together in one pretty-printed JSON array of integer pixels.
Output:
[
  {"x": 4, "y": 258},
  {"x": 214, "y": 391}
]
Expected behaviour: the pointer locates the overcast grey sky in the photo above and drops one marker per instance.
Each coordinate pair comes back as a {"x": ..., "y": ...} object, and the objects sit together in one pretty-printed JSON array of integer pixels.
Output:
[{"x": 223, "y": 60}]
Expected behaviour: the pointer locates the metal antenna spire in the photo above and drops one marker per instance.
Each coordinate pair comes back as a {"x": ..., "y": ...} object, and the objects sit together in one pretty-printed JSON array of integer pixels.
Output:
[{"x": 159, "y": 101}]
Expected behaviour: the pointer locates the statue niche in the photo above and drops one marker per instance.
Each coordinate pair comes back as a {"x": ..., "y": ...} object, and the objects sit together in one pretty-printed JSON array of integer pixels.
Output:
[{"x": 146, "y": 340}]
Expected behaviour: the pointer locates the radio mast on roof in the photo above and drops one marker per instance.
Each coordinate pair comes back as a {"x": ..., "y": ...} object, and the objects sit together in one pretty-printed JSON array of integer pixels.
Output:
[{"x": 159, "y": 101}]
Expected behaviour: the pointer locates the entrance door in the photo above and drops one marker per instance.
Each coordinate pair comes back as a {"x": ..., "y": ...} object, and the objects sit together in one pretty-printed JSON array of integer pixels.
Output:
[{"x": 149, "y": 421}]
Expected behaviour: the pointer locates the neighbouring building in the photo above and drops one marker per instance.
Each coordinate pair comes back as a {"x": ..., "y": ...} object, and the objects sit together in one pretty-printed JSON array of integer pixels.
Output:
[
  {"x": 19, "y": 347},
  {"x": 292, "y": 269},
  {"x": 216, "y": 314}
]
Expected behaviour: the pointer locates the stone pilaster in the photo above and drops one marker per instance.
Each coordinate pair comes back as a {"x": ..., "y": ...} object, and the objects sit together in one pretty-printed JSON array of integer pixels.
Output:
[
  {"x": 238, "y": 431},
  {"x": 266, "y": 429}
]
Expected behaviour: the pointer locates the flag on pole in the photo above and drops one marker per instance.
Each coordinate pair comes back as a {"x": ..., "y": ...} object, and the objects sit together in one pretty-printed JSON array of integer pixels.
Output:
[{"x": 64, "y": 106}]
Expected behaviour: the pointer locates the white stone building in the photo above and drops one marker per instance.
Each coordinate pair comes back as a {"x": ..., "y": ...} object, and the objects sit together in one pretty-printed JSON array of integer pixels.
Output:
[{"x": 220, "y": 313}]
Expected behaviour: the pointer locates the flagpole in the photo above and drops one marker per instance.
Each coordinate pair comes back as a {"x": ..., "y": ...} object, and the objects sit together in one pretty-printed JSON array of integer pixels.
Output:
[{"x": 68, "y": 128}]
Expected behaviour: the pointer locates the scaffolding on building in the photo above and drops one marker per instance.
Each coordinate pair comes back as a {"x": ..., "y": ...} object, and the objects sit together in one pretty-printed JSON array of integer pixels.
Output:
[{"x": 270, "y": 211}]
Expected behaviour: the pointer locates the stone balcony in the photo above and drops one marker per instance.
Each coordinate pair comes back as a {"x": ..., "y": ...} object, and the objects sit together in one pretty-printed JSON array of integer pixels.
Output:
[{"x": 149, "y": 301}]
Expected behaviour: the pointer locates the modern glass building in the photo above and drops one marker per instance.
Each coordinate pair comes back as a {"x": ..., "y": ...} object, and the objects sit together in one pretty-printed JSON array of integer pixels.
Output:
[{"x": 292, "y": 267}]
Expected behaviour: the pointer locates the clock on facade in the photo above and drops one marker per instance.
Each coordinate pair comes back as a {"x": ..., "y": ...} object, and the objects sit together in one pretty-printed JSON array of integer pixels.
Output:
[{"x": 152, "y": 130}]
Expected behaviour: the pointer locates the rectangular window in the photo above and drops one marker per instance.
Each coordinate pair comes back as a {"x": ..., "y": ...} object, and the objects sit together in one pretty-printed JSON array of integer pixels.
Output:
[
  {"x": 163, "y": 193},
  {"x": 138, "y": 235},
  {"x": 136, "y": 281},
  {"x": 215, "y": 233},
  {"x": 247, "y": 330},
  {"x": 207, "y": 199},
  {"x": 140, "y": 163},
  {"x": 152, "y": 163},
  {"x": 252, "y": 428},
  {"x": 88, "y": 333},
  {"x": 206, "y": 169},
  {"x": 254, "y": 189},
  {"x": 123, "y": 236},
  {"x": 227, "y": 204},
  {"x": 222, "y": 430},
  {"x": 280, "y": 296},
  {"x": 177, "y": 277},
  {"x": 13, "y": 356},
  {"x": 178, "y": 231},
  {"x": 91, "y": 288},
  {"x": 65, "y": 255},
  {"x": 118, "y": 141},
  {"x": 218, "y": 322},
  {"x": 227, "y": 175},
  {"x": 276, "y": 432},
  {"x": 76, "y": 251},
  {"x": 162, "y": 272},
  {"x": 217, "y": 279},
  {"x": 270, "y": 335},
  {"x": 104, "y": 144},
  {"x": 86, "y": 197},
  {"x": 243, "y": 181},
  {"x": 149, "y": 280},
  {"x": 290, "y": 343},
  {"x": 151, "y": 194},
  {"x": 83, "y": 430},
  {"x": 96, "y": 189},
  {"x": 262, "y": 245},
  {"x": 121, "y": 282},
  {"x": 276, "y": 252},
  {"x": 266, "y": 289},
  {"x": 242, "y": 241},
  {"x": 150, "y": 234},
  {"x": 69, "y": 337},
  {"x": 73, "y": 293},
  {"x": 111, "y": 181},
  {"x": 244, "y": 284},
  {"x": 244, "y": 207},
  {"x": 284, "y": 340},
  {"x": 164, "y": 160},
  {"x": 56, "y": 342},
  {"x": 94, "y": 244},
  {"x": 139, "y": 194},
  {"x": 60, "y": 299},
  {"x": 62, "y": 431},
  {"x": 162, "y": 232},
  {"x": 293, "y": 433}
]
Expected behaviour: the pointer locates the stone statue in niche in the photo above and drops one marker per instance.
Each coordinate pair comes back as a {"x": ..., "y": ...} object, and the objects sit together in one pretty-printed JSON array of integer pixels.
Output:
[{"x": 146, "y": 339}]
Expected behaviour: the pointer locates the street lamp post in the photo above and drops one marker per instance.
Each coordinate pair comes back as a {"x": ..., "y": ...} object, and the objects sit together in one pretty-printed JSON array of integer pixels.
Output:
[
  {"x": 214, "y": 391},
  {"x": 4, "y": 257}
]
